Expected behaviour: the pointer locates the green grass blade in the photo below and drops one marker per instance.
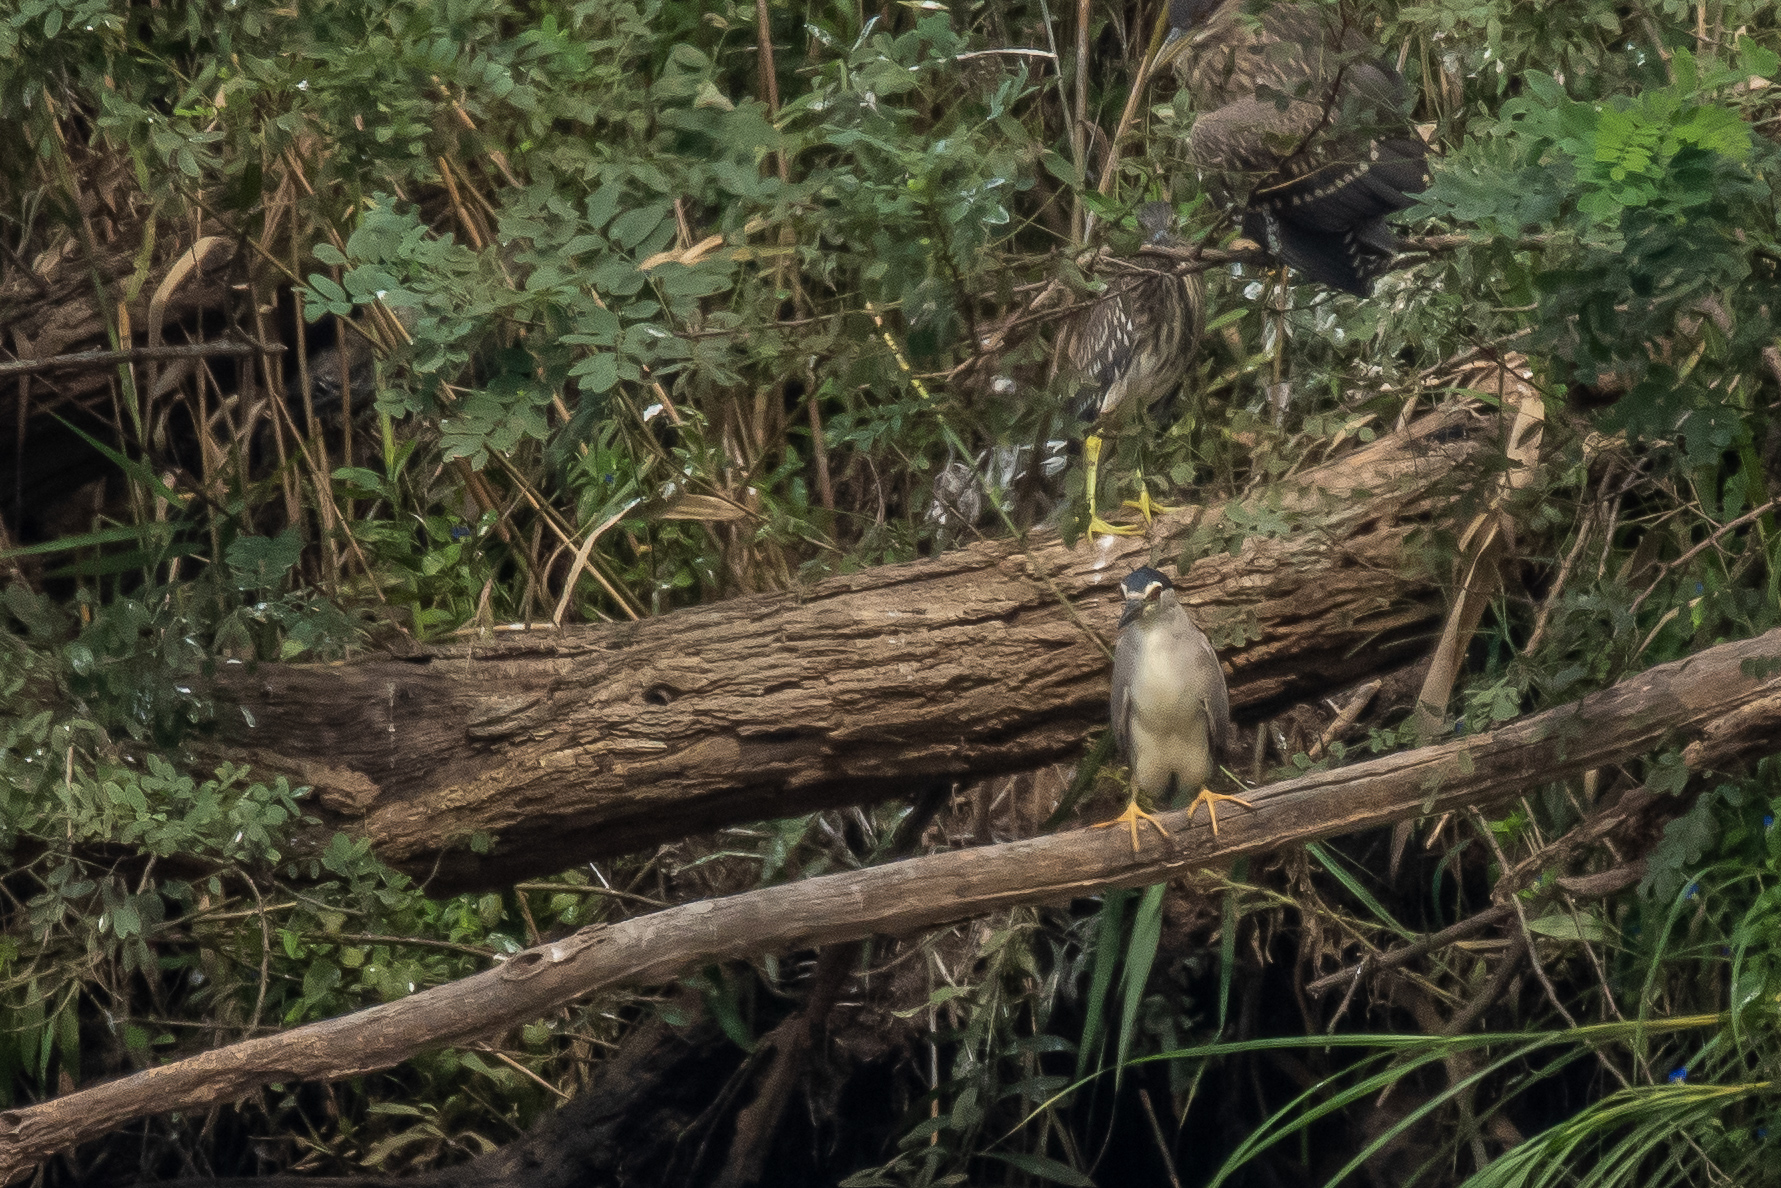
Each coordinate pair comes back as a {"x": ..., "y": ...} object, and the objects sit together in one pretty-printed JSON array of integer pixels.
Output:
[
  {"x": 1107, "y": 937},
  {"x": 1334, "y": 865},
  {"x": 136, "y": 468},
  {"x": 1227, "y": 942},
  {"x": 104, "y": 536},
  {"x": 1147, "y": 934},
  {"x": 125, "y": 562}
]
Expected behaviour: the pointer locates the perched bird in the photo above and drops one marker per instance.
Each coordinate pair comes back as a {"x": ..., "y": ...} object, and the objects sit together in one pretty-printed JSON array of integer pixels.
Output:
[
  {"x": 1296, "y": 113},
  {"x": 1171, "y": 712},
  {"x": 1131, "y": 347}
]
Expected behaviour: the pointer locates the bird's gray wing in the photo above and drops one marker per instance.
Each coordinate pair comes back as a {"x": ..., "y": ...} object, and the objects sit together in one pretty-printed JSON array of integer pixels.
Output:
[
  {"x": 1125, "y": 667},
  {"x": 1214, "y": 695}
]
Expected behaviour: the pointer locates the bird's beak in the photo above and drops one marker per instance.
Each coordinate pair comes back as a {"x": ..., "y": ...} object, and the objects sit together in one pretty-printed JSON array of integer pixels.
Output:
[
  {"x": 1171, "y": 49},
  {"x": 1133, "y": 608}
]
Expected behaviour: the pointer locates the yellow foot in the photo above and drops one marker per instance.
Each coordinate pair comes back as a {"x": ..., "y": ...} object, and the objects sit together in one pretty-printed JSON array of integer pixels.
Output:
[
  {"x": 1130, "y": 818},
  {"x": 1147, "y": 507},
  {"x": 1210, "y": 800},
  {"x": 1097, "y": 524}
]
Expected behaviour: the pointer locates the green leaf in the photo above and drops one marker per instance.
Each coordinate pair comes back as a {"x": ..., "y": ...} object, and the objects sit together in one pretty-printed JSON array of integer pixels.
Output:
[
  {"x": 1564, "y": 926},
  {"x": 261, "y": 562},
  {"x": 1044, "y": 1167},
  {"x": 720, "y": 999},
  {"x": 1756, "y": 59},
  {"x": 634, "y": 226}
]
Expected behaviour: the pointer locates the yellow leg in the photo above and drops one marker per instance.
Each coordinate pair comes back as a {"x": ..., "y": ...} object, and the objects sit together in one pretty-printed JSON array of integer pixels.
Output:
[
  {"x": 1091, "y": 448},
  {"x": 1130, "y": 818},
  {"x": 1210, "y": 800}
]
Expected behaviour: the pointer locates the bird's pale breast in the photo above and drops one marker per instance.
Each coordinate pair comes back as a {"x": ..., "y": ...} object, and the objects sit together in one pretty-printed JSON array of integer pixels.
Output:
[{"x": 1169, "y": 735}]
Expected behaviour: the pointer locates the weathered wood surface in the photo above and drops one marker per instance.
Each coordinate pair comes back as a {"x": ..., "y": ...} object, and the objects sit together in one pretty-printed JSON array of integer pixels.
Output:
[
  {"x": 592, "y": 741},
  {"x": 1686, "y": 699}
]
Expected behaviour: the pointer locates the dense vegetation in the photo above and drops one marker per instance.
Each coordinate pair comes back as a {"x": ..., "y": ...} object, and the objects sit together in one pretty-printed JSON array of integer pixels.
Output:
[{"x": 600, "y": 309}]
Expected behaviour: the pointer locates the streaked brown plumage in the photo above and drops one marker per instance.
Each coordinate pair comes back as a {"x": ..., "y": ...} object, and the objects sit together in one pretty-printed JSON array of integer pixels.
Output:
[
  {"x": 1134, "y": 344},
  {"x": 1296, "y": 114}
]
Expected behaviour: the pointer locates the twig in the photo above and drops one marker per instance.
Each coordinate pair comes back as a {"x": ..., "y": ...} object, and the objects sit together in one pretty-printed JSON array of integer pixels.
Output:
[
  {"x": 769, "y": 77},
  {"x": 1493, "y": 990},
  {"x": 420, "y": 942},
  {"x": 1527, "y": 937},
  {"x": 1698, "y": 549},
  {"x": 1134, "y": 100},
  {"x": 265, "y": 954},
  {"x": 520, "y": 1068},
  {"x": 87, "y": 360},
  {"x": 1346, "y": 718},
  {"x": 1597, "y": 886},
  {"x": 1550, "y": 602},
  {"x": 1157, "y": 1130},
  {"x": 1018, "y": 53},
  {"x": 574, "y": 889}
]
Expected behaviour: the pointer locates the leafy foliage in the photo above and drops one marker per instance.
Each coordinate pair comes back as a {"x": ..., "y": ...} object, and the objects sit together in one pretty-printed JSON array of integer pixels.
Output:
[{"x": 652, "y": 312}]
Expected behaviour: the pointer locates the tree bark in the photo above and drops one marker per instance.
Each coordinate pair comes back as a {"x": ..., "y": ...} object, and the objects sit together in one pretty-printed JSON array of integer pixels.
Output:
[
  {"x": 570, "y": 745},
  {"x": 1687, "y": 698}
]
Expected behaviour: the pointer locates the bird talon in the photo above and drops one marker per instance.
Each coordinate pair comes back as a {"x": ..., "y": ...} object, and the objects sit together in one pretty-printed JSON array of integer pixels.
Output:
[
  {"x": 1147, "y": 507},
  {"x": 1097, "y": 525},
  {"x": 1130, "y": 818},
  {"x": 1210, "y": 800}
]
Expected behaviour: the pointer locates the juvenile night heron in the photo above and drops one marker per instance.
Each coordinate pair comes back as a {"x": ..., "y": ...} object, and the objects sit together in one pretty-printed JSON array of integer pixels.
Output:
[
  {"x": 1131, "y": 347},
  {"x": 1171, "y": 712},
  {"x": 1294, "y": 107}
]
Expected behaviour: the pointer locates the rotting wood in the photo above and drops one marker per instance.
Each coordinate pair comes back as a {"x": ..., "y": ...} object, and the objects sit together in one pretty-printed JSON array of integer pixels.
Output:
[
  {"x": 1669, "y": 703},
  {"x": 566, "y": 746}
]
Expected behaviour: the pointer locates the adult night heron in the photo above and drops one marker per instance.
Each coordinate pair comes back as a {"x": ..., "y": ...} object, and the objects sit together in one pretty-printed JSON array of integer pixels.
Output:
[
  {"x": 1131, "y": 347},
  {"x": 1294, "y": 107},
  {"x": 1171, "y": 712}
]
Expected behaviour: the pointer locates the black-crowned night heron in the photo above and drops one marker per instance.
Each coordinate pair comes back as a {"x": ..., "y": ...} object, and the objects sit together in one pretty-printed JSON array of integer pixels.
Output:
[
  {"x": 1171, "y": 712},
  {"x": 1295, "y": 111},
  {"x": 1131, "y": 347}
]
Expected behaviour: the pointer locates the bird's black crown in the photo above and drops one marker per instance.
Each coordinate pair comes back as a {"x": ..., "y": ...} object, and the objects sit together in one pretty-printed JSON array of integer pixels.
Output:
[{"x": 1138, "y": 583}]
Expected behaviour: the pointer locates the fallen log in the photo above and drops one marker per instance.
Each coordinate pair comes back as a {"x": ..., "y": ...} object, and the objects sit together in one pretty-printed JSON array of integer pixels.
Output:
[
  {"x": 568, "y": 745},
  {"x": 1685, "y": 699}
]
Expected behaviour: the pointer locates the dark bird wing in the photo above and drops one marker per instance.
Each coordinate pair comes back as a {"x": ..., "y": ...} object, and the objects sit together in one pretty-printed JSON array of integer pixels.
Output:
[
  {"x": 1215, "y": 696},
  {"x": 1297, "y": 107},
  {"x": 1125, "y": 667}
]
